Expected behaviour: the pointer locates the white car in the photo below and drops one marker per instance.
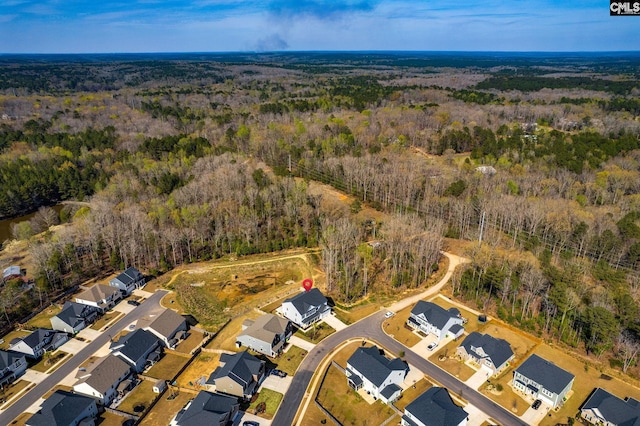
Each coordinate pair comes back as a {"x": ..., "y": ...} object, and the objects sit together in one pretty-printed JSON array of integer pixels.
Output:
[
  {"x": 389, "y": 314},
  {"x": 432, "y": 346}
]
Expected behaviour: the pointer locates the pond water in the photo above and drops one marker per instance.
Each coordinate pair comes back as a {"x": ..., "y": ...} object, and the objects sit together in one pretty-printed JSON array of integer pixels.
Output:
[{"x": 6, "y": 224}]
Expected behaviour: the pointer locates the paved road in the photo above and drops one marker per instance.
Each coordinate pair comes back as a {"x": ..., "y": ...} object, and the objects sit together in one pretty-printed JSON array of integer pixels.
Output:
[
  {"x": 371, "y": 328},
  {"x": 21, "y": 405}
]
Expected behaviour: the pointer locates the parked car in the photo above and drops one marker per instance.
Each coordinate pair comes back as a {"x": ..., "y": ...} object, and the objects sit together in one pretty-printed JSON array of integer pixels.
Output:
[
  {"x": 536, "y": 404},
  {"x": 133, "y": 302},
  {"x": 432, "y": 346},
  {"x": 250, "y": 423},
  {"x": 389, "y": 314},
  {"x": 278, "y": 373}
]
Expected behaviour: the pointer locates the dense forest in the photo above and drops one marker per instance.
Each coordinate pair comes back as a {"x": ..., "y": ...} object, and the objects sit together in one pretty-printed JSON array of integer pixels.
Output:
[{"x": 194, "y": 157}]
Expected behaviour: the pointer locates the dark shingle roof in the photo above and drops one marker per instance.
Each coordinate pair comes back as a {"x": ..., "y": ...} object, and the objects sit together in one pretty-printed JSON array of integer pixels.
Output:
[
  {"x": 40, "y": 335},
  {"x": 388, "y": 391},
  {"x": 60, "y": 409},
  {"x": 436, "y": 408},
  {"x": 436, "y": 315},
  {"x": 546, "y": 373},
  {"x": 74, "y": 313},
  {"x": 615, "y": 410},
  {"x": 307, "y": 300},
  {"x": 498, "y": 350},
  {"x": 375, "y": 367},
  {"x": 136, "y": 344},
  {"x": 167, "y": 323},
  {"x": 104, "y": 373},
  {"x": 207, "y": 408},
  {"x": 240, "y": 367},
  {"x": 7, "y": 358},
  {"x": 130, "y": 275}
]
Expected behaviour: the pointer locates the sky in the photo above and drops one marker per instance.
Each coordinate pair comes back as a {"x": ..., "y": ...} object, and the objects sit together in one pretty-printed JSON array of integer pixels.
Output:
[{"x": 123, "y": 26}]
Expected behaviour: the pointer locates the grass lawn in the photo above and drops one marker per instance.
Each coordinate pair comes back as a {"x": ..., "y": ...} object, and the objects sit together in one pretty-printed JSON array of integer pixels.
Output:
[
  {"x": 352, "y": 314},
  {"x": 271, "y": 307},
  {"x": 141, "y": 396},
  {"x": 316, "y": 333},
  {"x": 110, "y": 419},
  {"x": 290, "y": 360},
  {"x": 165, "y": 409},
  {"x": 585, "y": 381},
  {"x": 506, "y": 398},
  {"x": 42, "y": 320},
  {"x": 521, "y": 342},
  {"x": 271, "y": 398},
  {"x": 451, "y": 363},
  {"x": 167, "y": 367},
  {"x": 46, "y": 363},
  {"x": 21, "y": 419},
  {"x": 396, "y": 327},
  {"x": 106, "y": 318},
  {"x": 346, "y": 405},
  {"x": 412, "y": 393},
  {"x": 202, "y": 365},
  {"x": 13, "y": 389},
  {"x": 314, "y": 416},
  {"x": 7, "y": 338},
  {"x": 225, "y": 339},
  {"x": 190, "y": 343},
  {"x": 345, "y": 353}
]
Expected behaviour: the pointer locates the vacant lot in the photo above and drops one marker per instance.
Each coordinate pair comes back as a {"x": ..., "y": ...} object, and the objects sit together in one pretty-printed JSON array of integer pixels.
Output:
[
  {"x": 506, "y": 397},
  {"x": 202, "y": 365},
  {"x": 214, "y": 292},
  {"x": 168, "y": 366},
  {"x": 165, "y": 409},
  {"x": 291, "y": 359},
  {"x": 346, "y": 405},
  {"x": 105, "y": 319}
]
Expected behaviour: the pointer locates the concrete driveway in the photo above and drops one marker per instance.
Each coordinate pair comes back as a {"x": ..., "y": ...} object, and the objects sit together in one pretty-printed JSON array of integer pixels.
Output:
[
  {"x": 476, "y": 417},
  {"x": 301, "y": 343},
  {"x": 73, "y": 346},
  {"x": 334, "y": 322},
  {"x": 275, "y": 383},
  {"x": 534, "y": 417},
  {"x": 478, "y": 378},
  {"x": 244, "y": 416}
]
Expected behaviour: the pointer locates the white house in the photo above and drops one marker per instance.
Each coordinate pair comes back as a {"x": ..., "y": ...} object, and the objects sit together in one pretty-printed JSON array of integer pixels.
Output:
[
  {"x": 305, "y": 308},
  {"x": 101, "y": 379},
  {"x": 434, "y": 407},
  {"x": 74, "y": 317},
  {"x": 38, "y": 342},
  {"x": 268, "y": 334},
  {"x": 128, "y": 281},
  {"x": 433, "y": 319},
  {"x": 542, "y": 379},
  {"x": 487, "y": 351},
  {"x": 12, "y": 365},
  {"x": 100, "y": 296},
  {"x": 370, "y": 370},
  {"x": 604, "y": 408}
]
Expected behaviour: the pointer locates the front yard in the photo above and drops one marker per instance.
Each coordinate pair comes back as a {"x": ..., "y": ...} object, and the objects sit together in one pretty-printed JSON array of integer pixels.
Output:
[
  {"x": 105, "y": 319},
  {"x": 272, "y": 401},
  {"x": 316, "y": 333},
  {"x": 290, "y": 360}
]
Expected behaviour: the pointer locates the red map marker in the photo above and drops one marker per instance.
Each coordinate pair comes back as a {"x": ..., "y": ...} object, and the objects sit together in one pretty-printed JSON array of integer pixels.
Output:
[{"x": 307, "y": 283}]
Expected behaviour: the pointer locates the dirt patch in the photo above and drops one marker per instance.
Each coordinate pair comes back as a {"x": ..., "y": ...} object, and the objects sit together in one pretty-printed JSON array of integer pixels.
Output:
[{"x": 202, "y": 366}]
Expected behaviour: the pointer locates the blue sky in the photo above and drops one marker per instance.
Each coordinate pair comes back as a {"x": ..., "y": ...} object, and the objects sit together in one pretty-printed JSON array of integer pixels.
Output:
[{"x": 106, "y": 26}]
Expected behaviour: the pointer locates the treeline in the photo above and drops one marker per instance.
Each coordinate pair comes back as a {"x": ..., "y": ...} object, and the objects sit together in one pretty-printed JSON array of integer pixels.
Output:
[{"x": 534, "y": 84}]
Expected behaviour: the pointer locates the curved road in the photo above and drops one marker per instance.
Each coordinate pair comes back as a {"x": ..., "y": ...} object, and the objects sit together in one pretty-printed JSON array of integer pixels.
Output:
[
  {"x": 28, "y": 399},
  {"x": 371, "y": 328}
]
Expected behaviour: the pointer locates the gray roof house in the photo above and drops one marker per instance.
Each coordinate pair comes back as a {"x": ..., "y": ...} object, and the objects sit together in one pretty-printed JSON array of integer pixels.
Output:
[
  {"x": 12, "y": 365},
  {"x": 208, "y": 409},
  {"x": 267, "y": 334},
  {"x": 65, "y": 409},
  {"x": 101, "y": 379},
  {"x": 139, "y": 349},
  {"x": 434, "y": 407},
  {"x": 74, "y": 317},
  {"x": 603, "y": 408},
  {"x": 99, "y": 296},
  {"x": 542, "y": 379},
  {"x": 376, "y": 374},
  {"x": 489, "y": 352},
  {"x": 305, "y": 308},
  {"x": 433, "y": 319},
  {"x": 169, "y": 327},
  {"x": 38, "y": 342},
  {"x": 128, "y": 281},
  {"x": 238, "y": 374}
]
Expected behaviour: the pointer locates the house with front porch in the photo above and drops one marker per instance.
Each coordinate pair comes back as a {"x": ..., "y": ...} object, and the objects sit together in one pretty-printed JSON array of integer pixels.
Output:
[
  {"x": 128, "y": 281},
  {"x": 430, "y": 318},
  {"x": 102, "y": 378},
  {"x": 604, "y": 408},
  {"x": 488, "y": 352},
  {"x": 38, "y": 342},
  {"x": 541, "y": 379},
  {"x": 100, "y": 296},
  {"x": 12, "y": 365},
  {"x": 305, "y": 308},
  {"x": 369, "y": 369},
  {"x": 434, "y": 407},
  {"x": 239, "y": 375},
  {"x": 140, "y": 349},
  {"x": 74, "y": 317}
]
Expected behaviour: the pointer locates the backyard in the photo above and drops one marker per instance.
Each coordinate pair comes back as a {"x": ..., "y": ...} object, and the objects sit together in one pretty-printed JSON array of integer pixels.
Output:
[
  {"x": 166, "y": 408},
  {"x": 139, "y": 399},
  {"x": 202, "y": 365},
  {"x": 168, "y": 366}
]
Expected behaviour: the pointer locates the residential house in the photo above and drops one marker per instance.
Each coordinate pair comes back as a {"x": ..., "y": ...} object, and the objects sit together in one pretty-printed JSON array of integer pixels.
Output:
[
  {"x": 208, "y": 408},
  {"x": 38, "y": 342},
  {"x": 603, "y": 408},
  {"x": 542, "y": 379},
  {"x": 139, "y": 349},
  {"x": 238, "y": 375},
  {"x": 12, "y": 365},
  {"x": 101, "y": 379},
  {"x": 305, "y": 308},
  {"x": 434, "y": 407},
  {"x": 268, "y": 334},
  {"x": 100, "y": 296},
  {"x": 65, "y": 409},
  {"x": 74, "y": 317},
  {"x": 370, "y": 370},
  {"x": 128, "y": 281},
  {"x": 11, "y": 272},
  {"x": 489, "y": 352},
  {"x": 169, "y": 327},
  {"x": 433, "y": 319}
]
